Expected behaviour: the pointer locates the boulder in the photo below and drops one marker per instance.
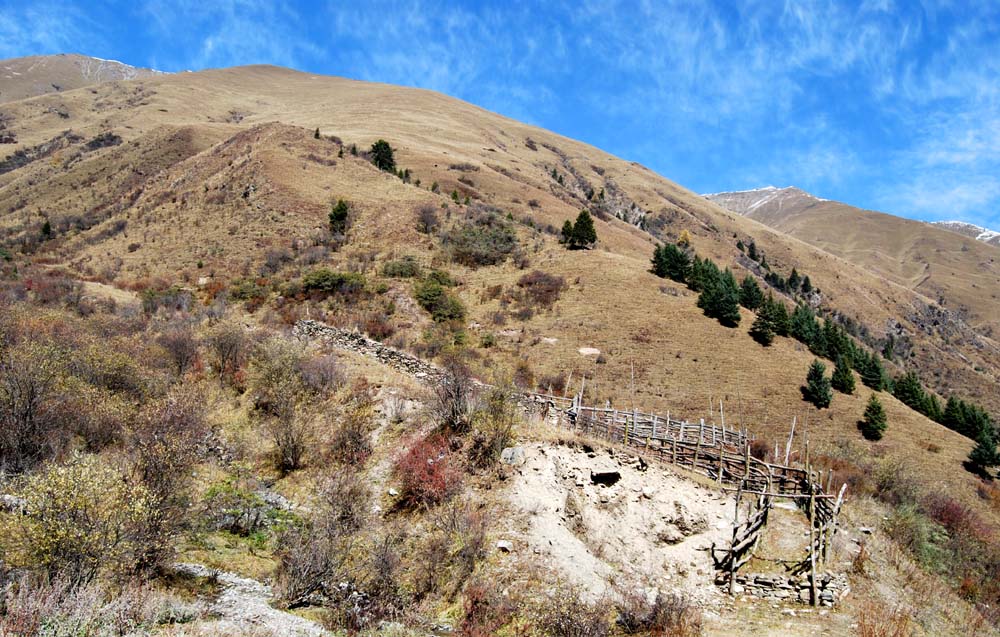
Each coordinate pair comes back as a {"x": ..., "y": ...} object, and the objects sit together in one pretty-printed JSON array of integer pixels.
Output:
[
  {"x": 514, "y": 456},
  {"x": 505, "y": 546}
]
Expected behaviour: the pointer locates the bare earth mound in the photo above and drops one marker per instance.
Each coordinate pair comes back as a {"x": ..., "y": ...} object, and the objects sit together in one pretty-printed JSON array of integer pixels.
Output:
[{"x": 650, "y": 525}]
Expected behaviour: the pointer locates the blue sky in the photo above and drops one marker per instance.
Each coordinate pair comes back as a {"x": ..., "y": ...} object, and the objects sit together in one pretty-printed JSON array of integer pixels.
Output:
[{"x": 884, "y": 104}]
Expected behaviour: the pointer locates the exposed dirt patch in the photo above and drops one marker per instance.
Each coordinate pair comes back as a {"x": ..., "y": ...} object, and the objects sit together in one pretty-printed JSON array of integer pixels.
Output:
[{"x": 651, "y": 525}]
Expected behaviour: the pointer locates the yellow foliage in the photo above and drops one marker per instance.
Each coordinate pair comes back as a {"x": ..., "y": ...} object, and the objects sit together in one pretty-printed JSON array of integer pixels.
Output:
[{"x": 80, "y": 518}]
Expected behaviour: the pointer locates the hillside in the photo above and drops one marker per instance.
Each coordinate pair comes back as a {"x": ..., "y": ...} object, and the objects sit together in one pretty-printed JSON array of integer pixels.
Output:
[
  {"x": 971, "y": 230},
  {"x": 22, "y": 78},
  {"x": 205, "y": 183}
]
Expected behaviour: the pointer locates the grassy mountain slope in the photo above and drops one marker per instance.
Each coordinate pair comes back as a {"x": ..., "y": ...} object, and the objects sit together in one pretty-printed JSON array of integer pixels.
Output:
[
  {"x": 220, "y": 167},
  {"x": 42, "y": 74}
]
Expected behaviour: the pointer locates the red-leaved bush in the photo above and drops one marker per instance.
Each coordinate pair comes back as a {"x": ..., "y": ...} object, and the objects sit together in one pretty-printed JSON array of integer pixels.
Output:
[{"x": 428, "y": 472}]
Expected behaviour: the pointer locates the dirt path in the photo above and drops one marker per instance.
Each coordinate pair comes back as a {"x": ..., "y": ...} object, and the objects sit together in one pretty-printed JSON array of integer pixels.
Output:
[{"x": 245, "y": 605}]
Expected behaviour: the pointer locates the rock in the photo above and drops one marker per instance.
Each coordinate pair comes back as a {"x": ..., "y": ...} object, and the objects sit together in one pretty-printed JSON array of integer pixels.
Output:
[
  {"x": 648, "y": 492},
  {"x": 12, "y": 503},
  {"x": 866, "y": 530},
  {"x": 393, "y": 492},
  {"x": 788, "y": 611},
  {"x": 670, "y": 535},
  {"x": 589, "y": 351},
  {"x": 606, "y": 474},
  {"x": 513, "y": 456},
  {"x": 505, "y": 546},
  {"x": 738, "y": 589}
]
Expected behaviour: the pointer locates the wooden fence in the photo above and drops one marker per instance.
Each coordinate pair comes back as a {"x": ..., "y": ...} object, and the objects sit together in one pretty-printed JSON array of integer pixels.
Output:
[{"x": 722, "y": 454}]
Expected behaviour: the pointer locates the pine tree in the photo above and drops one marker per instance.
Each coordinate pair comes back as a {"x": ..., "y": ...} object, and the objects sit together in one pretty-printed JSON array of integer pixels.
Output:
[
  {"x": 584, "y": 234},
  {"x": 676, "y": 263},
  {"x": 727, "y": 303},
  {"x": 382, "y": 156},
  {"x": 909, "y": 391},
  {"x": 316, "y": 134},
  {"x": 804, "y": 327},
  {"x": 984, "y": 454},
  {"x": 872, "y": 373},
  {"x": 817, "y": 387},
  {"x": 752, "y": 251},
  {"x": 567, "y": 233},
  {"x": 762, "y": 330},
  {"x": 779, "y": 317},
  {"x": 874, "y": 423},
  {"x": 843, "y": 377},
  {"x": 339, "y": 213},
  {"x": 794, "y": 281},
  {"x": 703, "y": 274},
  {"x": 46, "y": 229},
  {"x": 807, "y": 285},
  {"x": 751, "y": 296}
]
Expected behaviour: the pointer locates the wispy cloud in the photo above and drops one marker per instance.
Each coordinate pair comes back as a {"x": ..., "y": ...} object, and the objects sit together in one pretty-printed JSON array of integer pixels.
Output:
[{"x": 45, "y": 28}]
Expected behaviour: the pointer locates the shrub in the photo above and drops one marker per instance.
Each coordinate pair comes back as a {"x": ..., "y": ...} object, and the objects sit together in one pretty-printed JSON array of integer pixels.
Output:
[
  {"x": 351, "y": 441},
  {"x": 486, "y": 610},
  {"x": 427, "y": 219},
  {"x": 405, "y": 268},
  {"x": 321, "y": 374},
  {"x": 672, "y": 615},
  {"x": 542, "y": 288},
  {"x": 485, "y": 239},
  {"x": 233, "y": 504},
  {"x": 427, "y": 472},
  {"x": 181, "y": 346},
  {"x": 275, "y": 378},
  {"x": 325, "y": 282},
  {"x": 565, "y": 613},
  {"x": 80, "y": 518},
  {"x": 29, "y": 374},
  {"x": 442, "y": 306},
  {"x": 228, "y": 344},
  {"x": 454, "y": 397},
  {"x": 494, "y": 425}
]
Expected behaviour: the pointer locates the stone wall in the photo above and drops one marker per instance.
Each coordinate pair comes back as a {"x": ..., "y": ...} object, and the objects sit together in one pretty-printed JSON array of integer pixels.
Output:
[
  {"x": 830, "y": 588},
  {"x": 357, "y": 342}
]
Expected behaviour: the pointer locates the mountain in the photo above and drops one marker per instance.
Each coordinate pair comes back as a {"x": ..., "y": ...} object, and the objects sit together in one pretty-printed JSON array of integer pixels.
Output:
[
  {"x": 959, "y": 274},
  {"x": 217, "y": 187},
  {"x": 970, "y": 230},
  {"x": 22, "y": 78}
]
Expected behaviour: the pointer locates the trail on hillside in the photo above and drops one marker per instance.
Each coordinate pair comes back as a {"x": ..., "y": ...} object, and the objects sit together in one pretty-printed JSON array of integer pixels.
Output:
[{"x": 245, "y": 604}]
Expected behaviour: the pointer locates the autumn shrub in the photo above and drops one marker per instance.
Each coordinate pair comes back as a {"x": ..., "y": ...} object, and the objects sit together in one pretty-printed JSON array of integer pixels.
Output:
[
  {"x": 427, "y": 472},
  {"x": 454, "y": 396},
  {"x": 235, "y": 505},
  {"x": 181, "y": 346},
  {"x": 556, "y": 382},
  {"x": 34, "y": 606},
  {"x": 876, "y": 619},
  {"x": 229, "y": 346},
  {"x": 485, "y": 610},
  {"x": 668, "y": 615},
  {"x": 541, "y": 288},
  {"x": 29, "y": 398},
  {"x": 377, "y": 326},
  {"x": 427, "y": 219},
  {"x": 80, "y": 518},
  {"x": 279, "y": 395},
  {"x": 494, "y": 426},
  {"x": 564, "y": 612},
  {"x": 322, "y": 373},
  {"x": 350, "y": 442}
]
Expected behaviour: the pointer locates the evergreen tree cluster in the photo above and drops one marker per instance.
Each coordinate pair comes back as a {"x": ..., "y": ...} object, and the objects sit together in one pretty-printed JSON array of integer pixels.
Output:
[
  {"x": 874, "y": 422},
  {"x": 720, "y": 296},
  {"x": 580, "y": 235},
  {"x": 382, "y": 156},
  {"x": 817, "y": 387}
]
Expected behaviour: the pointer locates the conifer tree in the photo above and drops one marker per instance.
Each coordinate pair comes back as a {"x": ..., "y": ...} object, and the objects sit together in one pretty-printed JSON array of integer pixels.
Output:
[
  {"x": 817, "y": 387},
  {"x": 703, "y": 274},
  {"x": 872, "y": 373},
  {"x": 909, "y": 391},
  {"x": 794, "y": 281},
  {"x": 567, "y": 233},
  {"x": 779, "y": 317},
  {"x": 720, "y": 295},
  {"x": 382, "y": 156},
  {"x": 339, "y": 213},
  {"x": 762, "y": 329},
  {"x": 843, "y": 377},
  {"x": 874, "y": 422},
  {"x": 752, "y": 250},
  {"x": 984, "y": 454},
  {"x": 807, "y": 286},
  {"x": 751, "y": 296},
  {"x": 803, "y": 326},
  {"x": 584, "y": 233},
  {"x": 316, "y": 134}
]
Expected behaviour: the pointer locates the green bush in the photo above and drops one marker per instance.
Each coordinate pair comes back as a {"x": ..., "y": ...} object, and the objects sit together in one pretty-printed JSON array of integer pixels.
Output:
[
  {"x": 434, "y": 298},
  {"x": 329, "y": 282},
  {"x": 486, "y": 239},
  {"x": 405, "y": 268}
]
